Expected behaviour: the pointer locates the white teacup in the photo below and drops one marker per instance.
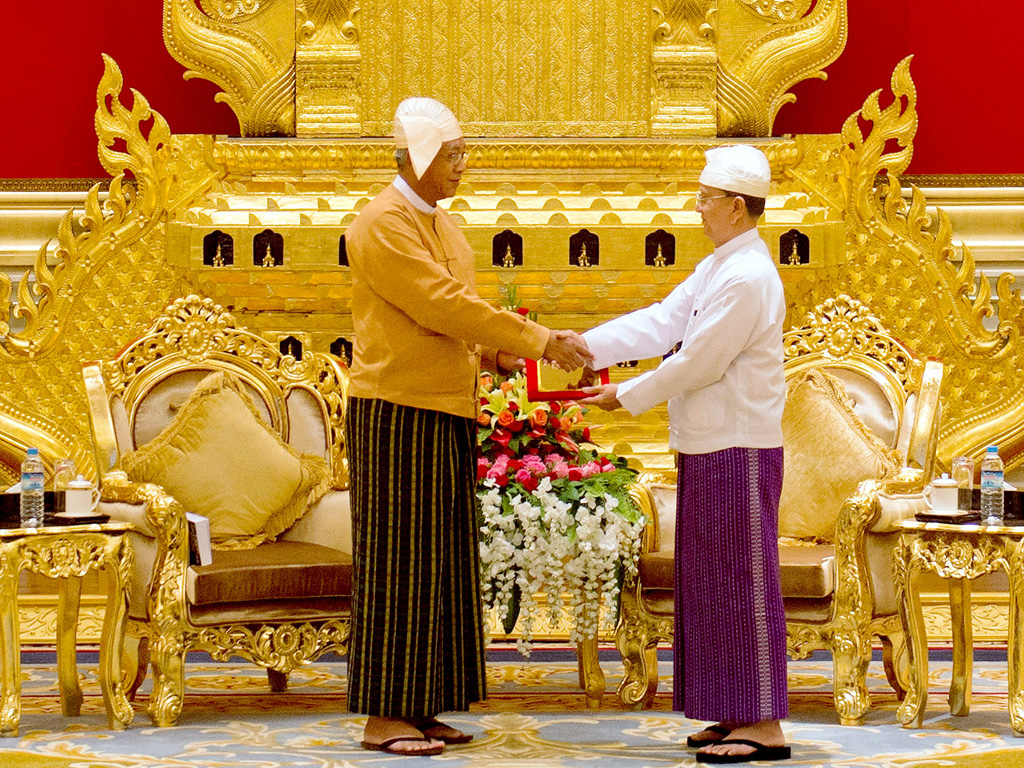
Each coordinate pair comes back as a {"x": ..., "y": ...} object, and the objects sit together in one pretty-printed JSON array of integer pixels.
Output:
[{"x": 81, "y": 497}]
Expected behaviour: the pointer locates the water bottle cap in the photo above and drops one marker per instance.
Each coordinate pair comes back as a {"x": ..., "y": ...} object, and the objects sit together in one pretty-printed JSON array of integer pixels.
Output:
[
  {"x": 993, "y": 449},
  {"x": 33, "y": 451}
]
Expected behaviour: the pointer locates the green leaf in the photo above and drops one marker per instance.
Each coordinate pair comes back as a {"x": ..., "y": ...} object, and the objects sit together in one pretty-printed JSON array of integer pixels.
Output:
[{"x": 513, "y": 610}]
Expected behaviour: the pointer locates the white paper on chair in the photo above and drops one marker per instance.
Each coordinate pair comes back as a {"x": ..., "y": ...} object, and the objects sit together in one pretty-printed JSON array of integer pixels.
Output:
[{"x": 200, "y": 549}]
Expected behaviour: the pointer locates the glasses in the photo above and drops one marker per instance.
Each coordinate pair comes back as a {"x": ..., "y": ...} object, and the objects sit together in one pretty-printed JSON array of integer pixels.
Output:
[
  {"x": 702, "y": 198},
  {"x": 454, "y": 158}
]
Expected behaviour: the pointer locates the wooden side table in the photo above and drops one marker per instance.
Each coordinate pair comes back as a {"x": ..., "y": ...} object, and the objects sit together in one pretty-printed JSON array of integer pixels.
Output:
[
  {"x": 67, "y": 553},
  {"x": 958, "y": 553}
]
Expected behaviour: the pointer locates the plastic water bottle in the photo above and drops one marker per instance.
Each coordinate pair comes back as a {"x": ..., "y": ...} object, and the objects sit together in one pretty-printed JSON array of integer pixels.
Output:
[
  {"x": 32, "y": 490},
  {"x": 992, "y": 487}
]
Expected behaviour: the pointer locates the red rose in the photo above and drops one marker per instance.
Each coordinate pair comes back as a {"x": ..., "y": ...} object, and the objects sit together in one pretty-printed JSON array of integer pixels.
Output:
[
  {"x": 556, "y": 407},
  {"x": 515, "y": 465},
  {"x": 481, "y": 472},
  {"x": 516, "y": 426},
  {"x": 501, "y": 480},
  {"x": 523, "y": 311},
  {"x": 513, "y": 407},
  {"x": 530, "y": 483},
  {"x": 575, "y": 473},
  {"x": 555, "y": 423}
]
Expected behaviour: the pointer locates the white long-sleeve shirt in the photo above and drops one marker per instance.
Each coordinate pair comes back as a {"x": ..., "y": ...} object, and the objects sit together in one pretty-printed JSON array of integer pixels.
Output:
[{"x": 725, "y": 387}]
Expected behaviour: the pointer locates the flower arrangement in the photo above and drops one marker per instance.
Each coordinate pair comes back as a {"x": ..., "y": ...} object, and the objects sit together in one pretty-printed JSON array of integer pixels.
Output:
[{"x": 556, "y": 516}]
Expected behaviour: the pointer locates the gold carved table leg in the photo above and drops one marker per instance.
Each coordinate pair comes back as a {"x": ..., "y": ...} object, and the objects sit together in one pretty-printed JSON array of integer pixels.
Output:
[
  {"x": 1015, "y": 637},
  {"x": 119, "y": 711},
  {"x": 906, "y": 567},
  {"x": 10, "y": 645},
  {"x": 69, "y": 593},
  {"x": 963, "y": 647},
  {"x": 591, "y": 676}
]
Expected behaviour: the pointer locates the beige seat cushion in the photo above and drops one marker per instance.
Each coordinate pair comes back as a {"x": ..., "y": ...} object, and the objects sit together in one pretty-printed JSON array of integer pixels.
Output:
[
  {"x": 828, "y": 452},
  {"x": 282, "y": 570},
  {"x": 219, "y": 459},
  {"x": 807, "y": 571},
  {"x": 657, "y": 570}
]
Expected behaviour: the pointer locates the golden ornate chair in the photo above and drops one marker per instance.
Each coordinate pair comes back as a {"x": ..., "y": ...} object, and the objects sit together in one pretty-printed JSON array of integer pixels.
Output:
[
  {"x": 280, "y": 604},
  {"x": 852, "y": 389}
]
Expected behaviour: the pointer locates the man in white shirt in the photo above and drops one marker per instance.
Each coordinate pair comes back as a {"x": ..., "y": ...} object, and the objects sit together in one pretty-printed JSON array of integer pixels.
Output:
[{"x": 725, "y": 389}]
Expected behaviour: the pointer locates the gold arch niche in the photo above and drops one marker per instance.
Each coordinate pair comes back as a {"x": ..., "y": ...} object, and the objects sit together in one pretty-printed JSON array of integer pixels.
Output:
[{"x": 585, "y": 68}]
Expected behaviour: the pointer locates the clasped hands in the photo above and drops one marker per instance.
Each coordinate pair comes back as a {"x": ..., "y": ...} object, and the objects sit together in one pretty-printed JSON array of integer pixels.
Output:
[{"x": 568, "y": 350}]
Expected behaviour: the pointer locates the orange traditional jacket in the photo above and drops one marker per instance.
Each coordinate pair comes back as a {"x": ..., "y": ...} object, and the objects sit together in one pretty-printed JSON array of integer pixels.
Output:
[{"x": 419, "y": 324}]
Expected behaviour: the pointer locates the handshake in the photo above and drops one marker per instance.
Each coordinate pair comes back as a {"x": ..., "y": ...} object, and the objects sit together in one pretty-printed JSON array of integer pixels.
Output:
[{"x": 567, "y": 350}]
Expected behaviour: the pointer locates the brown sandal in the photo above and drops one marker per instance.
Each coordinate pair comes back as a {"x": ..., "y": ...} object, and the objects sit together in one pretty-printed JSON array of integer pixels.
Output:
[
  {"x": 457, "y": 737},
  {"x": 386, "y": 746}
]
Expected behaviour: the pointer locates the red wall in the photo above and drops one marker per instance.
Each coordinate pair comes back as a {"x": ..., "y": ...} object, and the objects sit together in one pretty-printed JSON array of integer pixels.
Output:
[{"x": 967, "y": 65}]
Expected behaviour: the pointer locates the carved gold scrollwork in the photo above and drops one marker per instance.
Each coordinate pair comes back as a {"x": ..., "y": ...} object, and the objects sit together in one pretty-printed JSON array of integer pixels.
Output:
[
  {"x": 779, "y": 10},
  {"x": 281, "y": 647},
  {"x": 802, "y": 640},
  {"x": 683, "y": 22},
  {"x": 907, "y": 269},
  {"x": 128, "y": 212},
  {"x": 226, "y": 10},
  {"x": 954, "y": 557},
  {"x": 62, "y": 557},
  {"x": 755, "y": 75},
  {"x": 251, "y": 56},
  {"x": 842, "y": 326}
]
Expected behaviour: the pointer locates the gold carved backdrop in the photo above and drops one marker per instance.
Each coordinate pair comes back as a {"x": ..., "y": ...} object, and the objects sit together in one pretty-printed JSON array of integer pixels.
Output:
[
  {"x": 584, "y": 68},
  {"x": 588, "y": 123}
]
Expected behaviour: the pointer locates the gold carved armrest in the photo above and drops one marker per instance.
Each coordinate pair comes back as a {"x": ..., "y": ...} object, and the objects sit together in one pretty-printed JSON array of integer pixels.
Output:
[
  {"x": 640, "y": 493},
  {"x": 163, "y": 518}
]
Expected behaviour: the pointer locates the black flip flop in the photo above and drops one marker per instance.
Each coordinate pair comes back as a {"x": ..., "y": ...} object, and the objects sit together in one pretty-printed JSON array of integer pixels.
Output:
[
  {"x": 761, "y": 752},
  {"x": 385, "y": 746},
  {"x": 693, "y": 741},
  {"x": 431, "y": 723}
]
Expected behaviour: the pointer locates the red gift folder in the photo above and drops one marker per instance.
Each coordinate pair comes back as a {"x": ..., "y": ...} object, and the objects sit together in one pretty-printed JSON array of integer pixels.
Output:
[{"x": 535, "y": 388}]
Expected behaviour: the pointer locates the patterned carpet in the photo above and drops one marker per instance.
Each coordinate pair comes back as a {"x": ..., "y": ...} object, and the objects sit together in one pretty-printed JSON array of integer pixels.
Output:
[{"x": 535, "y": 717}]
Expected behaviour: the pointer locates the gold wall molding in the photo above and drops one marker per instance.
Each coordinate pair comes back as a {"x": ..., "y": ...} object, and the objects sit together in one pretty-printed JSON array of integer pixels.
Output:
[
  {"x": 52, "y": 185},
  {"x": 965, "y": 180},
  {"x": 241, "y": 157}
]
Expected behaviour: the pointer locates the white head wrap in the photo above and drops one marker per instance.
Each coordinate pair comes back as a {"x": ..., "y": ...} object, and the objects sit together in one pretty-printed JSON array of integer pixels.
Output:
[
  {"x": 422, "y": 125},
  {"x": 737, "y": 168}
]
